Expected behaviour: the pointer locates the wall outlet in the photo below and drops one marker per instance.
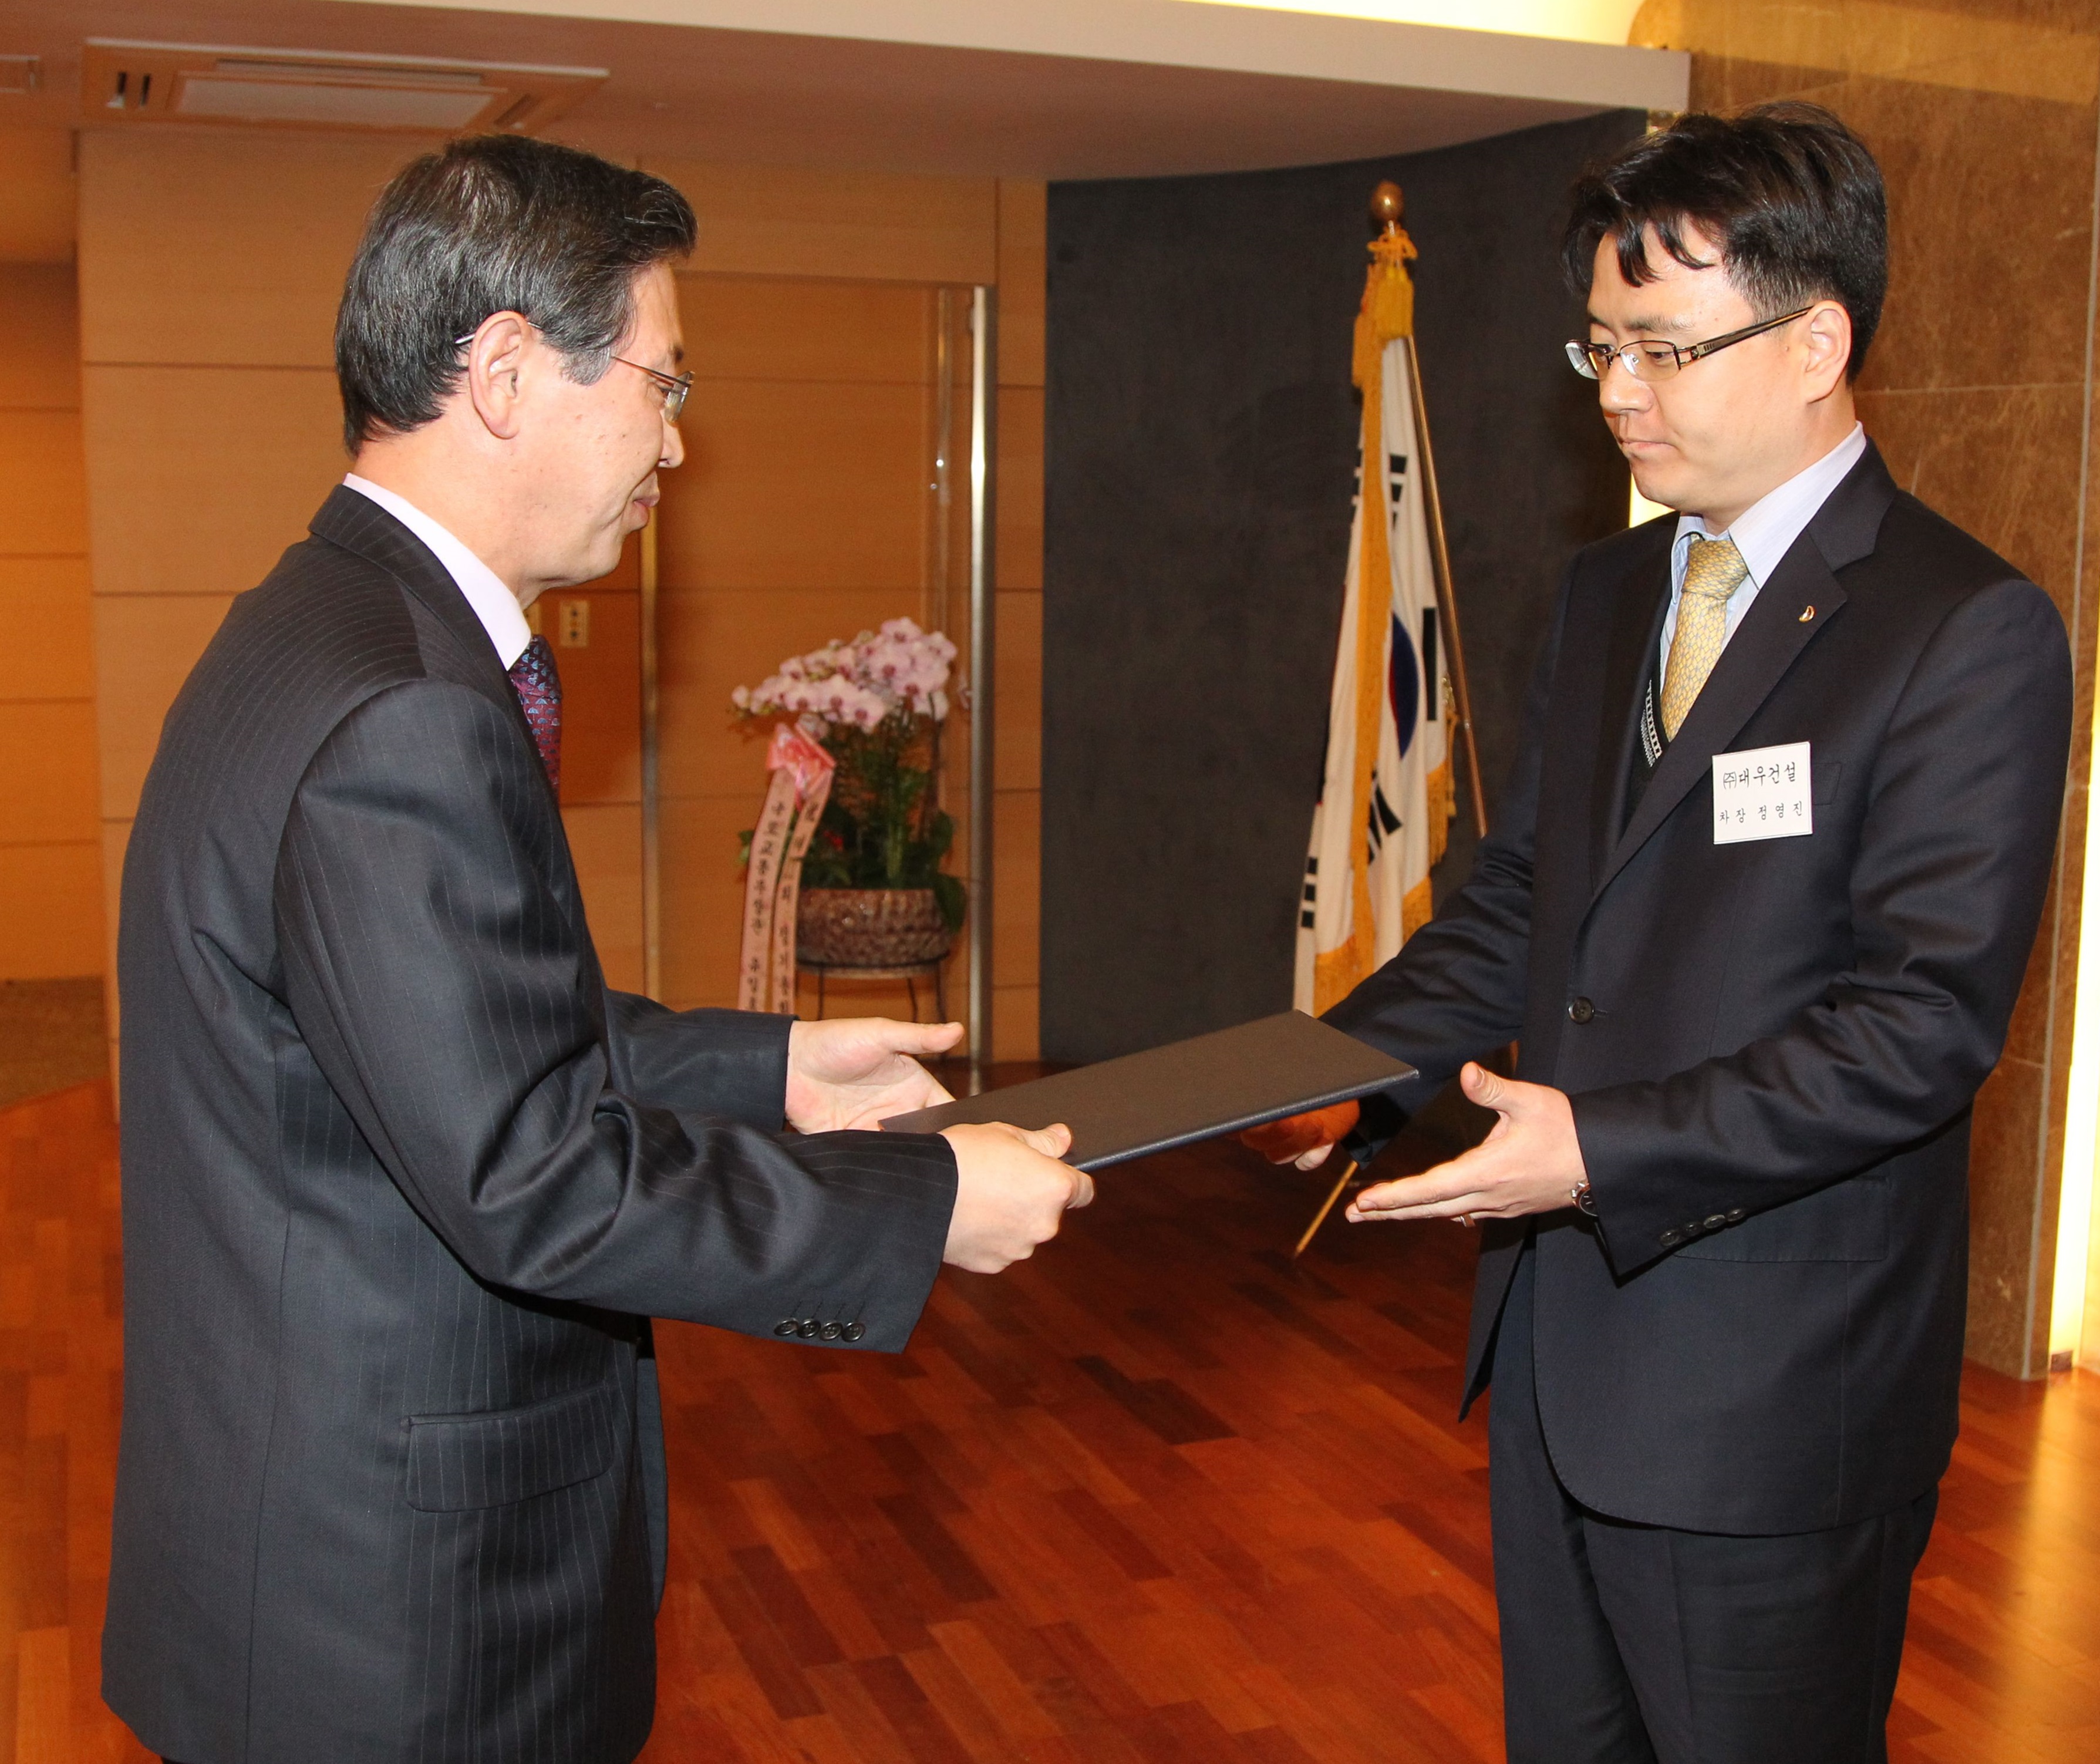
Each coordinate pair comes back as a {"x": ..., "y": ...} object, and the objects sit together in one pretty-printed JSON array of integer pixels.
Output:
[{"x": 575, "y": 625}]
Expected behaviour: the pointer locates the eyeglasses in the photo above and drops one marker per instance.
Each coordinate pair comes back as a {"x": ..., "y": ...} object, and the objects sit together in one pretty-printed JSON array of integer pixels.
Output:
[
  {"x": 1649, "y": 358},
  {"x": 676, "y": 386}
]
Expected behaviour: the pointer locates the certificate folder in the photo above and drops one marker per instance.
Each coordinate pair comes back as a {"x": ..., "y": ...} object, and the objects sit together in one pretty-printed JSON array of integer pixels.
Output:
[{"x": 1183, "y": 1092}]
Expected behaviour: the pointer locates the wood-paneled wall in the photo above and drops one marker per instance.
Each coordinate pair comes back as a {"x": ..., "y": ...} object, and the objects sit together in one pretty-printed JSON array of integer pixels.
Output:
[
  {"x": 804, "y": 511},
  {"x": 210, "y": 268},
  {"x": 797, "y": 516},
  {"x": 50, "y": 888}
]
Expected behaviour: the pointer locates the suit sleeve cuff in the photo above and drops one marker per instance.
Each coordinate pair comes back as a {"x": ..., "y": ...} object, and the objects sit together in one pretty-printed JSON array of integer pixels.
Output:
[{"x": 1640, "y": 1219}]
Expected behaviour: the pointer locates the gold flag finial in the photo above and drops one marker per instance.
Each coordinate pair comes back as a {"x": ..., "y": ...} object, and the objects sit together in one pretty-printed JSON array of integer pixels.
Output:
[{"x": 1388, "y": 306}]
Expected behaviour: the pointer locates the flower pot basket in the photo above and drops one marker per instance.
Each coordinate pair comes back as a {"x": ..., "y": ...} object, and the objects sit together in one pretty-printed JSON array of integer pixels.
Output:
[{"x": 870, "y": 927}]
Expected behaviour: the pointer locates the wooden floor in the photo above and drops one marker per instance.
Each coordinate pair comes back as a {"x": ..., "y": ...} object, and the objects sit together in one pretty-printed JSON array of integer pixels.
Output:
[{"x": 1155, "y": 1496}]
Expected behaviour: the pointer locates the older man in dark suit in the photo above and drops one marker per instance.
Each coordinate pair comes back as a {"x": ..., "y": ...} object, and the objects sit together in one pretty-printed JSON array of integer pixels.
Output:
[
  {"x": 403, "y": 1179},
  {"x": 1757, "y": 908}
]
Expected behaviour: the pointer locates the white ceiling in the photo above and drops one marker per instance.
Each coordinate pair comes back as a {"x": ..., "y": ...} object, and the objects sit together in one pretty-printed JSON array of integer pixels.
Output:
[{"x": 1019, "y": 88}]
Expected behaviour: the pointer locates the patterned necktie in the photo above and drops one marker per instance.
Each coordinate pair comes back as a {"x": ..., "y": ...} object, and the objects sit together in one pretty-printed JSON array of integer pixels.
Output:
[
  {"x": 539, "y": 689},
  {"x": 1713, "y": 570}
]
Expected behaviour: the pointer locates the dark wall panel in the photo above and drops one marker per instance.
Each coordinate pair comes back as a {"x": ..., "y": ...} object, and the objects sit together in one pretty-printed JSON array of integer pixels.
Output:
[{"x": 1202, "y": 441}]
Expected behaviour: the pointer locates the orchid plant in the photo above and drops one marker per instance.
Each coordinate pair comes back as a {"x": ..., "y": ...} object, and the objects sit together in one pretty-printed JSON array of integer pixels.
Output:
[{"x": 876, "y": 704}]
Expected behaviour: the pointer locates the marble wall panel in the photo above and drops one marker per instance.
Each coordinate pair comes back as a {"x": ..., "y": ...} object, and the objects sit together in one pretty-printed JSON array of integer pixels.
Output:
[
  {"x": 1990, "y": 214},
  {"x": 2034, "y": 1015},
  {"x": 1990, "y": 233},
  {"x": 2000, "y": 462},
  {"x": 2005, "y": 1215},
  {"x": 2042, "y": 50}
]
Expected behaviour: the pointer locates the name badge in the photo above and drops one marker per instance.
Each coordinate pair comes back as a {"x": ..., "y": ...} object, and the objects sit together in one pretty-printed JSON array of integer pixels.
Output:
[{"x": 1762, "y": 792}]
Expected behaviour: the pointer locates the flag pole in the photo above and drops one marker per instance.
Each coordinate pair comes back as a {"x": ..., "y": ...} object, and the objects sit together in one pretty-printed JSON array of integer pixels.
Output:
[
  {"x": 1386, "y": 207},
  {"x": 1320, "y": 1218}
]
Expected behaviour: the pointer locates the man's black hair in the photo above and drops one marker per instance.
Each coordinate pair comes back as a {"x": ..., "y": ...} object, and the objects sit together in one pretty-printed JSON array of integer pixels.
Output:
[
  {"x": 493, "y": 223},
  {"x": 1789, "y": 194}
]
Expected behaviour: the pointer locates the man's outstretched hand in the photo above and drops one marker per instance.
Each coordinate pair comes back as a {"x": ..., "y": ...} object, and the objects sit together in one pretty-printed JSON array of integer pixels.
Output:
[
  {"x": 1011, "y": 1193},
  {"x": 1306, "y": 1139},
  {"x": 853, "y": 1072},
  {"x": 1531, "y": 1161}
]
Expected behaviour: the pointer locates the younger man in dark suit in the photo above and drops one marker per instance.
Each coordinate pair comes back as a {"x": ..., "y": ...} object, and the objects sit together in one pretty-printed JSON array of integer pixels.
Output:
[
  {"x": 1756, "y": 907},
  {"x": 403, "y": 1179}
]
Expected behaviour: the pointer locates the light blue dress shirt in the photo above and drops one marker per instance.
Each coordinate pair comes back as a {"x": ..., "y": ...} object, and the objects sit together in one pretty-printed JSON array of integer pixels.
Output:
[{"x": 1764, "y": 532}]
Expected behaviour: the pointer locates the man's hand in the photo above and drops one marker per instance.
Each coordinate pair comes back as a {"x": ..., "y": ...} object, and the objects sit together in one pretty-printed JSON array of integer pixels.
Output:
[
  {"x": 1306, "y": 1139},
  {"x": 1011, "y": 1193},
  {"x": 850, "y": 1072},
  {"x": 1530, "y": 1161}
]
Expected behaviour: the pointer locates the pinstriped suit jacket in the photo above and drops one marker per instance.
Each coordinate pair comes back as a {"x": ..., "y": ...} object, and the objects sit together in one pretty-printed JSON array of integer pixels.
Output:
[{"x": 401, "y": 1178}]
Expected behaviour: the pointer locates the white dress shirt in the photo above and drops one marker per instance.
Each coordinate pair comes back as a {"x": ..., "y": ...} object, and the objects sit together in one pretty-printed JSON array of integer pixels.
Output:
[
  {"x": 493, "y": 603},
  {"x": 1764, "y": 532}
]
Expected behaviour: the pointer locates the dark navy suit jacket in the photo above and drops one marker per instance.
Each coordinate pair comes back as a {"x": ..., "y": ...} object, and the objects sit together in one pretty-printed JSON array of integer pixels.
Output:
[
  {"x": 401, "y": 1179},
  {"x": 1772, "y": 1047}
]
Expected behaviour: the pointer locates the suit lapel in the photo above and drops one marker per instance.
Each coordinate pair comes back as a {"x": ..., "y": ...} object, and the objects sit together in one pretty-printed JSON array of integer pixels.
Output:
[
  {"x": 1637, "y": 615},
  {"x": 358, "y": 524},
  {"x": 1800, "y": 600}
]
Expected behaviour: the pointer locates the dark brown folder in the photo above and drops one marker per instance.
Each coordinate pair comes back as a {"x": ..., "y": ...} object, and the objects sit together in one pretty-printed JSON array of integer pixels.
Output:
[{"x": 1183, "y": 1092}]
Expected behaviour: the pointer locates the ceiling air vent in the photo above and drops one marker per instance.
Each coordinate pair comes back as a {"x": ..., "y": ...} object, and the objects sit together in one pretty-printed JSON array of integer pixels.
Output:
[{"x": 187, "y": 82}]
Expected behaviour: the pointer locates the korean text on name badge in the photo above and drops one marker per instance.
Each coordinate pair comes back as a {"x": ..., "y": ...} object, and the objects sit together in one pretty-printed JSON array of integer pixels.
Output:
[{"x": 1763, "y": 793}]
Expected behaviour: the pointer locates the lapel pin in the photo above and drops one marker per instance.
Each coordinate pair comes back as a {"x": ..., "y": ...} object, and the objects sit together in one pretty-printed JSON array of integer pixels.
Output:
[{"x": 1807, "y": 614}]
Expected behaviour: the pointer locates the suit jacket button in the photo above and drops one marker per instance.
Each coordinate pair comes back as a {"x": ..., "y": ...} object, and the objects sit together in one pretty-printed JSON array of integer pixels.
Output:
[
  {"x": 786, "y": 1326},
  {"x": 807, "y": 1329},
  {"x": 1720, "y": 1221},
  {"x": 852, "y": 1331},
  {"x": 1736, "y": 1215},
  {"x": 831, "y": 1332},
  {"x": 1671, "y": 1240},
  {"x": 1580, "y": 1010}
]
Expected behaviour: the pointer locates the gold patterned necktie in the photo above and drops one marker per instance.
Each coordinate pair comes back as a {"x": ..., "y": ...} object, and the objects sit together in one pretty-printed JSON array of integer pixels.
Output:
[{"x": 1713, "y": 570}]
